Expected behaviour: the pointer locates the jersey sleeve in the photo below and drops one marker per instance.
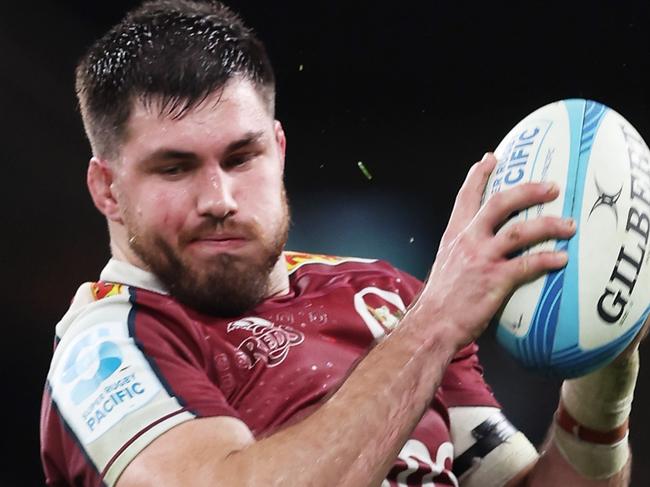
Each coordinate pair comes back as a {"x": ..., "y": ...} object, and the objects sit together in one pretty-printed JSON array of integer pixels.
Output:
[
  {"x": 463, "y": 383},
  {"x": 120, "y": 377}
]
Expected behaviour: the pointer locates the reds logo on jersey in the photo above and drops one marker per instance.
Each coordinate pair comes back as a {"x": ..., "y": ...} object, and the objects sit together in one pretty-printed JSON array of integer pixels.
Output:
[{"x": 267, "y": 342}]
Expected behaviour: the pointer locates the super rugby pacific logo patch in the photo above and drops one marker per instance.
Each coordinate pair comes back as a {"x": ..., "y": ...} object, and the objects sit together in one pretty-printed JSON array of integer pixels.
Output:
[{"x": 100, "y": 376}]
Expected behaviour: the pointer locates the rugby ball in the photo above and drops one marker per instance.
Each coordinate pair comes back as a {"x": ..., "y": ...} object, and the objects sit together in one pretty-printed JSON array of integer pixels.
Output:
[{"x": 575, "y": 320}]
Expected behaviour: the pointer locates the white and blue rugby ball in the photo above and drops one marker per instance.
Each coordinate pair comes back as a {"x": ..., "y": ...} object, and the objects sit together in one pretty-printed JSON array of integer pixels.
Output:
[{"x": 576, "y": 320}]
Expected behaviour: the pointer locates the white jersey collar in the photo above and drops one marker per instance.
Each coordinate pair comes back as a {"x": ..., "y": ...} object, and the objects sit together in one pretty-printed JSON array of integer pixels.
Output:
[{"x": 124, "y": 273}]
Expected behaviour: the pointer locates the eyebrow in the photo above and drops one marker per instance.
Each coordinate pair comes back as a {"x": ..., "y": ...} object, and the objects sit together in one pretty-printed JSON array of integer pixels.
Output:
[{"x": 165, "y": 153}]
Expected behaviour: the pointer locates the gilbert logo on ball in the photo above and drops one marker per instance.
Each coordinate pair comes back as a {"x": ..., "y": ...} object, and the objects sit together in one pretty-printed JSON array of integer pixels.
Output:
[{"x": 576, "y": 320}]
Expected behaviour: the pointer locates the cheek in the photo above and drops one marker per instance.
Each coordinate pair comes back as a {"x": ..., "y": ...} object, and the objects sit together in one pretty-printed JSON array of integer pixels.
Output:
[
  {"x": 266, "y": 202},
  {"x": 162, "y": 210}
]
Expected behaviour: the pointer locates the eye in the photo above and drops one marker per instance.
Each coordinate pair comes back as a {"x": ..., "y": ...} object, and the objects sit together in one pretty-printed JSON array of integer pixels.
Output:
[
  {"x": 240, "y": 159},
  {"x": 173, "y": 170}
]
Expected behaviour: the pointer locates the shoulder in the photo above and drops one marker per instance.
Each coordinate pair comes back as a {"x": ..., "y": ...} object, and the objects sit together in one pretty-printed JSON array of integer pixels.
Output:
[
  {"x": 116, "y": 372},
  {"x": 378, "y": 290},
  {"x": 298, "y": 260},
  {"x": 300, "y": 263},
  {"x": 93, "y": 335},
  {"x": 132, "y": 320},
  {"x": 94, "y": 301}
]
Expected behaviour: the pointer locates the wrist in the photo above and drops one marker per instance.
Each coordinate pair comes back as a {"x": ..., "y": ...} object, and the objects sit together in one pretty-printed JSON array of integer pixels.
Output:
[
  {"x": 602, "y": 400},
  {"x": 435, "y": 328},
  {"x": 591, "y": 422},
  {"x": 570, "y": 425}
]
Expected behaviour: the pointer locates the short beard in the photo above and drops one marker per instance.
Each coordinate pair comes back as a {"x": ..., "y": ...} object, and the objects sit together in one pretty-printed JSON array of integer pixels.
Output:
[{"x": 228, "y": 285}]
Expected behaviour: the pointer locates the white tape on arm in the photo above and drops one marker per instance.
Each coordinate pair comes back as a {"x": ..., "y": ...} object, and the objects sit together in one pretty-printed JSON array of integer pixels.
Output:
[
  {"x": 489, "y": 450},
  {"x": 602, "y": 400},
  {"x": 591, "y": 427}
]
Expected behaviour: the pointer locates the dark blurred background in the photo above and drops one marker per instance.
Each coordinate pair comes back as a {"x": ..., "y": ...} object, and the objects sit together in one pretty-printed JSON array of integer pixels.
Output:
[{"x": 415, "y": 90}]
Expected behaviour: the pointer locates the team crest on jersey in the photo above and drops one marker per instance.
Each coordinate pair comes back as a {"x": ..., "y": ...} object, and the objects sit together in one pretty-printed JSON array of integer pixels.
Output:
[
  {"x": 387, "y": 316},
  {"x": 265, "y": 341},
  {"x": 298, "y": 259},
  {"x": 380, "y": 309},
  {"x": 103, "y": 289}
]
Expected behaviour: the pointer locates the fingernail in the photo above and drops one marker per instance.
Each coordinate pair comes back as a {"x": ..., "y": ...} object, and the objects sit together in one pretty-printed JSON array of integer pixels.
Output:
[
  {"x": 570, "y": 223},
  {"x": 485, "y": 156},
  {"x": 551, "y": 188},
  {"x": 562, "y": 258}
]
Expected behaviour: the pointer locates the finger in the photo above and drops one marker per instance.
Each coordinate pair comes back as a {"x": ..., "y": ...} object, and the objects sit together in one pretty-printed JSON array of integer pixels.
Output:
[
  {"x": 529, "y": 267},
  {"x": 501, "y": 205},
  {"x": 468, "y": 200},
  {"x": 526, "y": 233}
]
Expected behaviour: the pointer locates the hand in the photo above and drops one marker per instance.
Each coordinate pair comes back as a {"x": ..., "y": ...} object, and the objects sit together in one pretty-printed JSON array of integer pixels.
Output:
[{"x": 472, "y": 275}]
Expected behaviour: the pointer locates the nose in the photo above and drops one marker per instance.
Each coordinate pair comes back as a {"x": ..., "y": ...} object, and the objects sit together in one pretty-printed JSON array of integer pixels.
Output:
[{"x": 215, "y": 197}]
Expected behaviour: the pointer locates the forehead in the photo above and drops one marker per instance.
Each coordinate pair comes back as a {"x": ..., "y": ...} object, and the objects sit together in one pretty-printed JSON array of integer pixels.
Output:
[{"x": 225, "y": 114}]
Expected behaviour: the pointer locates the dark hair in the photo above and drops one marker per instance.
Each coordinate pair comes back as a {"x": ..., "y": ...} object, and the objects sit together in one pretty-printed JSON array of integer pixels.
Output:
[{"x": 173, "y": 52}]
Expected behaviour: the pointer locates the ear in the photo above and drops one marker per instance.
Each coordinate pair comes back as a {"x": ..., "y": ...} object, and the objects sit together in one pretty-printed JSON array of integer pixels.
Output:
[
  {"x": 281, "y": 140},
  {"x": 101, "y": 185}
]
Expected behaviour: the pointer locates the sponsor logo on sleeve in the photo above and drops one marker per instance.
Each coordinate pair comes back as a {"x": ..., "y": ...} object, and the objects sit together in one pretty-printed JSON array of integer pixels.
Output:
[{"x": 101, "y": 378}]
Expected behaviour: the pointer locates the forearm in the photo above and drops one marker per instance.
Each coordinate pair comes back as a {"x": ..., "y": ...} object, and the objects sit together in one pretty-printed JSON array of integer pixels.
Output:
[{"x": 354, "y": 438}]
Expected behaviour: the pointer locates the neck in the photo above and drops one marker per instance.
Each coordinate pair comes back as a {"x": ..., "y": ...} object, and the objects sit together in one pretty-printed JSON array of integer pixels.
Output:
[{"x": 278, "y": 279}]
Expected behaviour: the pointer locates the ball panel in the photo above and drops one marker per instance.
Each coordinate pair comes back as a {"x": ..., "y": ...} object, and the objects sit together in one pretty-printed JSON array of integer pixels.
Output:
[
  {"x": 576, "y": 361},
  {"x": 565, "y": 337},
  {"x": 617, "y": 284},
  {"x": 536, "y": 347},
  {"x": 605, "y": 204},
  {"x": 536, "y": 149}
]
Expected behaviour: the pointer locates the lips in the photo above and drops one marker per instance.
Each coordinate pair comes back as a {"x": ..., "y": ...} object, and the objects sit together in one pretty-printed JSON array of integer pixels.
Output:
[
  {"x": 218, "y": 242},
  {"x": 219, "y": 237}
]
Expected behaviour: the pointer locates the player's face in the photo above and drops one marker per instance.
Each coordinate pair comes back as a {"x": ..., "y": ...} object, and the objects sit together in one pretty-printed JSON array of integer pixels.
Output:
[{"x": 203, "y": 199}]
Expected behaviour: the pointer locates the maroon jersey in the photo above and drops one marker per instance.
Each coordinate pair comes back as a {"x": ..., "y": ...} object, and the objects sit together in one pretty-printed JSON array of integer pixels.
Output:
[{"x": 131, "y": 362}]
